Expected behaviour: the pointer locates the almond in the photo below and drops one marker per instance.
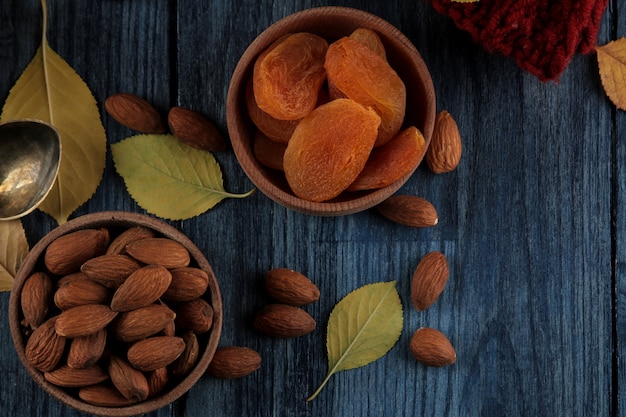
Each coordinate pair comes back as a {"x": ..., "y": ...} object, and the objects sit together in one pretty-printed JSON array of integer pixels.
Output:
[
  {"x": 104, "y": 396},
  {"x": 195, "y": 315},
  {"x": 110, "y": 270},
  {"x": 118, "y": 245},
  {"x": 134, "y": 112},
  {"x": 65, "y": 376},
  {"x": 432, "y": 348},
  {"x": 74, "y": 276},
  {"x": 67, "y": 253},
  {"x": 187, "y": 360},
  {"x": 429, "y": 280},
  {"x": 187, "y": 284},
  {"x": 281, "y": 320},
  {"x": 35, "y": 298},
  {"x": 130, "y": 382},
  {"x": 155, "y": 352},
  {"x": 409, "y": 211},
  {"x": 83, "y": 320},
  {"x": 45, "y": 347},
  {"x": 81, "y": 292},
  {"x": 444, "y": 152},
  {"x": 85, "y": 351},
  {"x": 159, "y": 251},
  {"x": 140, "y": 323},
  {"x": 157, "y": 381},
  {"x": 141, "y": 288},
  {"x": 290, "y": 287},
  {"x": 234, "y": 362},
  {"x": 193, "y": 129}
]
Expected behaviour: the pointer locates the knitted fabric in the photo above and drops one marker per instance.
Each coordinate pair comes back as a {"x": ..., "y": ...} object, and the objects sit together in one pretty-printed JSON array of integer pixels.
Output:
[{"x": 541, "y": 35}]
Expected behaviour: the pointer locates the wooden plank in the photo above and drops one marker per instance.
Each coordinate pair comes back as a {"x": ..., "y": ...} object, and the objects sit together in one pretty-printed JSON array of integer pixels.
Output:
[
  {"x": 528, "y": 305},
  {"x": 114, "y": 47},
  {"x": 525, "y": 220},
  {"x": 618, "y": 29}
]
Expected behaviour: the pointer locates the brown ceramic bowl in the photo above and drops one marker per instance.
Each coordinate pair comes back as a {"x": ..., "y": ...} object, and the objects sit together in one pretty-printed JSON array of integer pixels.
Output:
[
  {"x": 116, "y": 222},
  {"x": 331, "y": 23}
]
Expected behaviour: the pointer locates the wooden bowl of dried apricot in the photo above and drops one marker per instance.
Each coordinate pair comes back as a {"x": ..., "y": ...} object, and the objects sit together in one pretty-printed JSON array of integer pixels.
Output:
[
  {"x": 115, "y": 313},
  {"x": 330, "y": 110}
]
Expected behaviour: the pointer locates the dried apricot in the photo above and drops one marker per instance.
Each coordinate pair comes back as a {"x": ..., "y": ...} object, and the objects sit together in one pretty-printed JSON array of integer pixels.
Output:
[
  {"x": 329, "y": 148},
  {"x": 355, "y": 71},
  {"x": 288, "y": 75},
  {"x": 275, "y": 129},
  {"x": 370, "y": 39},
  {"x": 392, "y": 161},
  {"x": 268, "y": 152}
]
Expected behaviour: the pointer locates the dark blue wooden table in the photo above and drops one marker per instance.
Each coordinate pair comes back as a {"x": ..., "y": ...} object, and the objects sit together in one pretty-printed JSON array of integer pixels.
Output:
[{"x": 533, "y": 221}]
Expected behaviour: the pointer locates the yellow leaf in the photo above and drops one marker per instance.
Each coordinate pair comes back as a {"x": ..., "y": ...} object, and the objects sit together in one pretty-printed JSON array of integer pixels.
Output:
[
  {"x": 612, "y": 65},
  {"x": 362, "y": 328},
  {"x": 50, "y": 90},
  {"x": 168, "y": 178},
  {"x": 13, "y": 250}
]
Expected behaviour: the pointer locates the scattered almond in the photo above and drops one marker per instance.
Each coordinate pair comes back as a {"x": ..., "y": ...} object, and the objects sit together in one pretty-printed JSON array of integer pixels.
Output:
[
  {"x": 234, "y": 362},
  {"x": 444, "y": 152},
  {"x": 282, "y": 320},
  {"x": 134, "y": 112},
  {"x": 193, "y": 129},
  {"x": 429, "y": 280},
  {"x": 409, "y": 211},
  {"x": 35, "y": 298},
  {"x": 290, "y": 287},
  {"x": 432, "y": 348}
]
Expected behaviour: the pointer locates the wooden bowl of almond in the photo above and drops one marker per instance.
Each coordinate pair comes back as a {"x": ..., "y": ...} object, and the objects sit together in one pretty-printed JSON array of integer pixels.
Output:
[
  {"x": 115, "y": 313},
  {"x": 330, "y": 110}
]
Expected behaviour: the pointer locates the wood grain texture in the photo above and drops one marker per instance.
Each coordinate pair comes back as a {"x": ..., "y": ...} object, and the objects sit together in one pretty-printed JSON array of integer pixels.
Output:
[{"x": 532, "y": 221}]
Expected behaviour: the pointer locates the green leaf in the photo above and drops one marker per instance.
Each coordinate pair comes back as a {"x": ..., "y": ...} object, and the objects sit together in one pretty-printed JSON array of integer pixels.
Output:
[
  {"x": 168, "y": 178},
  {"x": 13, "y": 250},
  {"x": 362, "y": 327},
  {"x": 50, "y": 90}
]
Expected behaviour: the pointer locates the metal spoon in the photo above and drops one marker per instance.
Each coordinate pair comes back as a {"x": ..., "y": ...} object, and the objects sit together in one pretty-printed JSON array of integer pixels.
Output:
[{"x": 30, "y": 155}]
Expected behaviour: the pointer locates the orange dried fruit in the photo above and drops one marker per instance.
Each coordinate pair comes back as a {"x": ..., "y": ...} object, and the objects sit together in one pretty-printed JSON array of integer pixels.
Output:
[
  {"x": 329, "y": 148},
  {"x": 355, "y": 71},
  {"x": 275, "y": 129},
  {"x": 370, "y": 38},
  {"x": 268, "y": 152},
  {"x": 392, "y": 161},
  {"x": 288, "y": 75}
]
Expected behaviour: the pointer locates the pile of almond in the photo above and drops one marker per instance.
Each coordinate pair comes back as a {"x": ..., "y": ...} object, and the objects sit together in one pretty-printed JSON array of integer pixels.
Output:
[{"x": 115, "y": 319}]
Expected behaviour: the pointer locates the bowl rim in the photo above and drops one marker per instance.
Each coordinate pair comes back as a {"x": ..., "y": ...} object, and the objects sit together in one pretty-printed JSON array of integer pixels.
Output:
[
  {"x": 116, "y": 219},
  {"x": 237, "y": 86}
]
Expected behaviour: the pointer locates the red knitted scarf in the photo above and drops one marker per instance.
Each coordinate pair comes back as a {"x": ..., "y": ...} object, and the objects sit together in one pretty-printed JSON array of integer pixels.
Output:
[{"x": 541, "y": 35}]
